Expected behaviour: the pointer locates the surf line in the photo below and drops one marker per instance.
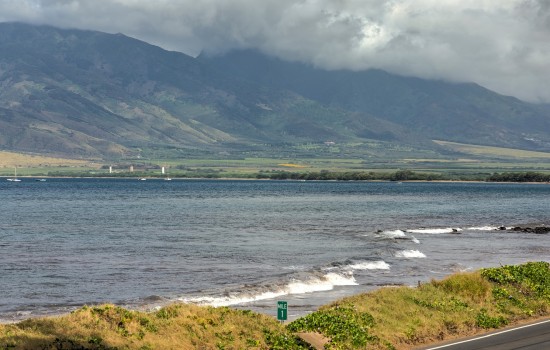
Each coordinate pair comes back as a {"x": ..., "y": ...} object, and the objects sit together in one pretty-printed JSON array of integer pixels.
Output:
[{"x": 489, "y": 335}]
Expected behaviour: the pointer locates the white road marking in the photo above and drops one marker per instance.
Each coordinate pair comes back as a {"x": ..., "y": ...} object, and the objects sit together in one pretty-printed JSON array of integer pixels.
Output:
[{"x": 488, "y": 335}]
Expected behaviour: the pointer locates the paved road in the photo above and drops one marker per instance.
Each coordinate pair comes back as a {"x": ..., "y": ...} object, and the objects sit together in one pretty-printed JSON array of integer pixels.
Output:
[{"x": 534, "y": 336}]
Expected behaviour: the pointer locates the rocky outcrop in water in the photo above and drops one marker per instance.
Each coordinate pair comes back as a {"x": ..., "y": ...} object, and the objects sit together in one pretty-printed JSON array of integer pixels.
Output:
[{"x": 537, "y": 229}]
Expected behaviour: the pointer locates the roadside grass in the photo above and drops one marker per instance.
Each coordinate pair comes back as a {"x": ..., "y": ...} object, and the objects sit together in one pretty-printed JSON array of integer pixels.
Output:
[
  {"x": 460, "y": 305},
  {"x": 176, "y": 326},
  {"x": 389, "y": 318}
]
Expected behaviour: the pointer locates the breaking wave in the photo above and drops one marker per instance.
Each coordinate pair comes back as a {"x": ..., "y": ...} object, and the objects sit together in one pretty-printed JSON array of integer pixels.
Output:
[
  {"x": 370, "y": 265},
  {"x": 455, "y": 229},
  {"x": 410, "y": 254},
  {"x": 392, "y": 233},
  {"x": 315, "y": 284},
  {"x": 484, "y": 228}
]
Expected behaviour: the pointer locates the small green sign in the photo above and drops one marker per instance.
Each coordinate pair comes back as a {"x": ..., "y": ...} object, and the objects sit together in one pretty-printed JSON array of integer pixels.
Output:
[{"x": 282, "y": 310}]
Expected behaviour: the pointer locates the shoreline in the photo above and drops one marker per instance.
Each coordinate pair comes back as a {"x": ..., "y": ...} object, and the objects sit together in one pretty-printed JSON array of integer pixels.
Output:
[
  {"x": 424, "y": 298},
  {"x": 36, "y": 178}
]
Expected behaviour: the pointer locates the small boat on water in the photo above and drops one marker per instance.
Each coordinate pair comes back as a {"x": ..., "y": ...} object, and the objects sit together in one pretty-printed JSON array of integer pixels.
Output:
[
  {"x": 14, "y": 178},
  {"x": 163, "y": 172}
]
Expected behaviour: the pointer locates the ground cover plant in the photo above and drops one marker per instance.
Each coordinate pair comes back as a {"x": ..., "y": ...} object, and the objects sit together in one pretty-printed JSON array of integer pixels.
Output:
[{"x": 389, "y": 318}]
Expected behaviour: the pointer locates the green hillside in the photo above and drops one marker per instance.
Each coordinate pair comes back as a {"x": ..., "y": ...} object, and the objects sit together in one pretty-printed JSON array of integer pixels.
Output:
[
  {"x": 91, "y": 95},
  {"x": 466, "y": 113}
]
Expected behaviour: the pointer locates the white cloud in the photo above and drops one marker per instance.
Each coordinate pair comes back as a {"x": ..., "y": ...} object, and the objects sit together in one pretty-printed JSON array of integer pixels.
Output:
[{"x": 500, "y": 44}]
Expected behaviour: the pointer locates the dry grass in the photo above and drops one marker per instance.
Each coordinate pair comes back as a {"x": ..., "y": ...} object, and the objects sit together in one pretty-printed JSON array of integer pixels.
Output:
[
  {"x": 489, "y": 151},
  {"x": 292, "y": 165},
  {"x": 407, "y": 317},
  {"x": 20, "y": 160},
  {"x": 174, "y": 327}
]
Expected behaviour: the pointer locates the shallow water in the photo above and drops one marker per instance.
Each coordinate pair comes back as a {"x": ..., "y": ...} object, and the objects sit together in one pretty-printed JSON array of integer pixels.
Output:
[{"x": 69, "y": 242}]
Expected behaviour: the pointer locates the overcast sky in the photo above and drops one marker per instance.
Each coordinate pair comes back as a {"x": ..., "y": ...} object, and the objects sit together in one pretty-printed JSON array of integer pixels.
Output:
[{"x": 503, "y": 45}]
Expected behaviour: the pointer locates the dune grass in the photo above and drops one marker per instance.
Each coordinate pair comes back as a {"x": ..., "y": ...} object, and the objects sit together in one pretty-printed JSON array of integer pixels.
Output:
[{"x": 389, "y": 318}]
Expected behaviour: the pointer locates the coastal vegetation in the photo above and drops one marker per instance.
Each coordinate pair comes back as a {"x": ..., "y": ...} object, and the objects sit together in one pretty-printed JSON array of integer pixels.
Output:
[
  {"x": 519, "y": 177},
  {"x": 459, "y": 305},
  {"x": 323, "y": 175},
  {"x": 275, "y": 168}
]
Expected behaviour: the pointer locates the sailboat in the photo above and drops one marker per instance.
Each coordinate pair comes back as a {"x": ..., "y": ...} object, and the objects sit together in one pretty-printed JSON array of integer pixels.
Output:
[
  {"x": 167, "y": 178},
  {"x": 14, "y": 179}
]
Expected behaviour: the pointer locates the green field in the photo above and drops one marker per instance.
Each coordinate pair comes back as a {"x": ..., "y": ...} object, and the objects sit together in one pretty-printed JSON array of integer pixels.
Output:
[{"x": 467, "y": 160}]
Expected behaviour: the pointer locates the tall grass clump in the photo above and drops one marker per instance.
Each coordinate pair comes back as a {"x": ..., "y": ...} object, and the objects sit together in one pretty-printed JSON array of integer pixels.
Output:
[{"x": 173, "y": 327}]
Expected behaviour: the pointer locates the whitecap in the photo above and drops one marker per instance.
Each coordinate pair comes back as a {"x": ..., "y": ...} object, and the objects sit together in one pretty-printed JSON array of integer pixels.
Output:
[
  {"x": 484, "y": 228},
  {"x": 393, "y": 233},
  {"x": 435, "y": 231},
  {"x": 415, "y": 240},
  {"x": 371, "y": 265},
  {"x": 325, "y": 283},
  {"x": 231, "y": 300},
  {"x": 410, "y": 254}
]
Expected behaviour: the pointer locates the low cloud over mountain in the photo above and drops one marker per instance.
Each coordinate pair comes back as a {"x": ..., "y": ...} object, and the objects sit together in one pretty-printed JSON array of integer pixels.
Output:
[{"x": 501, "y": 45}]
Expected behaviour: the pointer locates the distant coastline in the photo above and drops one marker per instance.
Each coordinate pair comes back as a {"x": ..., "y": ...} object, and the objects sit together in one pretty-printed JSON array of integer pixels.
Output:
[{"x": 398, "y": 176}]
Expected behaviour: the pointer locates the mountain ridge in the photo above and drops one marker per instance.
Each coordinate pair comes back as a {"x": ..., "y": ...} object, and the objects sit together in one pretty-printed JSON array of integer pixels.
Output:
[
  {"x": 413, "y": 102},
  {"x": 86, "y": 94}
]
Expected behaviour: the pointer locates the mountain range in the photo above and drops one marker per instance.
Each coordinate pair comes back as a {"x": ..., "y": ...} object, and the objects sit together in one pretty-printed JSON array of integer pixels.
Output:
[{"x": 87, "y": 94}]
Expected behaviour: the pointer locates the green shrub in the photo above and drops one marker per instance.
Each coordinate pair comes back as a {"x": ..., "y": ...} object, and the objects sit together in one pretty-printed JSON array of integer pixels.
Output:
[
  {"x": 532, "y": 278},
  {"x": 342, "y": 324},
  {"x": 483, "y": 320}
]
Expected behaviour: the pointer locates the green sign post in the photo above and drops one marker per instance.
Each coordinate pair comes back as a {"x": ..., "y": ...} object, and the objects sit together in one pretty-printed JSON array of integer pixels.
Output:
[{"x": 282, "y": 307}]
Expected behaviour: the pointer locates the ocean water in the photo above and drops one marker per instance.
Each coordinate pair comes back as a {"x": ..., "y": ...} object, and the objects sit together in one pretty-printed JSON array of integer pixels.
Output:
[{"x": 65, "y": 243}]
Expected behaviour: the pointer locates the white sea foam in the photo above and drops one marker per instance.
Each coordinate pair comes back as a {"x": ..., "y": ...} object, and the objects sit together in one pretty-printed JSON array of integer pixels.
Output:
[
  {"x": 410, "y": 254},
  {"x": 371, "y": 265},
  {"x": 415, "y": 240},
  {"x": 327, "y": 282},
  {"x": 317, "y": 284},
  {"x": 435, "y": 231},
  {"x": 483, "y": 228},
  {"x": 231, "y": 300},
  {"x": 393, "y": 233}
]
